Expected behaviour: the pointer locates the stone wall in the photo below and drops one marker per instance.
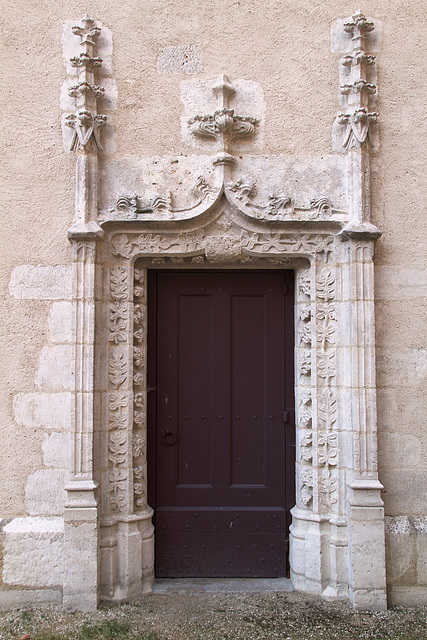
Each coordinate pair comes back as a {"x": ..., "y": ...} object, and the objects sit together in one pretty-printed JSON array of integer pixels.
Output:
[{"x": 153, "y": 53}]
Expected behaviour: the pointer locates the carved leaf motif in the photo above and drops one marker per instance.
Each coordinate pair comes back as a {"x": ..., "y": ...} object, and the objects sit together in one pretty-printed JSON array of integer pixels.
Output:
[
  {"x": 305, "y": 418},
  {"x": 117, "y": 446},
  {"x": 139, "y": 275},
  {"x": 306, "y": 365},
  {"x": 326, "y": 333},
  {"x": 118, "y": 400},
  {"x": 121, "y": 246},
  {"x": 138, "y": 356},
  {"x": 139, "y": 472},
  {"x": 139, "y": 418},
  {"x": 306, "y": 489},
  {"x": 118, "y": 421},
  {"x": 139, "y": 315},
  {"x": 306, "y": 494},
  {"x": 117, "y": 478},
  {"x": 305, "y": 312},
  {"x": 306, "y": 443},
  {"x": 138, "y": 445},
  {"x": 307, "y": 454},
  {"x": 242, "y": 188},
  {"x": 118, "y": 331},
  {"x": 139, "y": 400},
  {"x": 305, "y": 397},
  {"x": 138, "y": 489},
  {"x": 138, "y": 379},
  {"x": 326, "y": 285},
  {"x": 118, "y": 501},
  {"x": 327, "y": 409},
  {"x": 304, "y": 283},
  {"x": 118, "y": 311},
  {"x": 140, "y": 335},
  {"x": 118, "y": 283},
  {"x": 327, "y": 487},
  {"x": 326, "y": 366},
  {"x": 118, "y": 367},
  {"x": 328, "y": 448},
  {"x": 305, "y": 335},
  {"x": 323, "y": 206},
  {"x": 326, "y": 312}
]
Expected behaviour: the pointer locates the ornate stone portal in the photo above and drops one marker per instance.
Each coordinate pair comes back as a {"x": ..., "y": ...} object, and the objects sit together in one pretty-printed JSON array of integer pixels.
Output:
[{"x": 231, "y": 213}]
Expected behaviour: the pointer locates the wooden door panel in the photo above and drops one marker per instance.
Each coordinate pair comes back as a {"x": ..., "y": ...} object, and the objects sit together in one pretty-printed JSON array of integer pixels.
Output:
[{"x": 221, "y": 446}]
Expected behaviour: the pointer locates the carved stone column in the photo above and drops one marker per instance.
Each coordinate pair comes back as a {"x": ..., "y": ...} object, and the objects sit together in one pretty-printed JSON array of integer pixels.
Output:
[
  {"x": 365, "y": 512},
  {"x": 80, "y": 590},
  {"x": 81, "y": 513}
]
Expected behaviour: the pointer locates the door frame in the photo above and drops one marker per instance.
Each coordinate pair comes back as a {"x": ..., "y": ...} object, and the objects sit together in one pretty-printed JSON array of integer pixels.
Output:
[{"x": 338, "y": 506}]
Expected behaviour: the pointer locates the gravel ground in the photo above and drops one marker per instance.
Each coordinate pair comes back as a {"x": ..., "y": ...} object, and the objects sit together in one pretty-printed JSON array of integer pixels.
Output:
[{"x": 284, "y": 616}]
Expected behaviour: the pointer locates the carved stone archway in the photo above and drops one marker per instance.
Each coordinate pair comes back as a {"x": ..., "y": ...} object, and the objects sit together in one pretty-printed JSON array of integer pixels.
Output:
[{"x": 337, "y": 532}]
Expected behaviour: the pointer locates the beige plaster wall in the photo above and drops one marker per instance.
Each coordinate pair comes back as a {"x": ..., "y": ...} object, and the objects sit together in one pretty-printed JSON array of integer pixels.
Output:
[{"x": 285, "y": 46}]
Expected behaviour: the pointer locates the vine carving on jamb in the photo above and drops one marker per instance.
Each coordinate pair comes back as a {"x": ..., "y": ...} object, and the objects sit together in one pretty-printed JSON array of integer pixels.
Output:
[
  {"x": 118, "y": 401},
  {"x": 327, "y": 437},
  {"x": 304, "y": 392},
  {"x": 139, "y": 383}
]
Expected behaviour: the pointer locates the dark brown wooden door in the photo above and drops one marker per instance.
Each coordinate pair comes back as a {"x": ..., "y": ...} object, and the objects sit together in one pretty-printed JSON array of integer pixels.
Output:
[{"x": 221, "y": 432}]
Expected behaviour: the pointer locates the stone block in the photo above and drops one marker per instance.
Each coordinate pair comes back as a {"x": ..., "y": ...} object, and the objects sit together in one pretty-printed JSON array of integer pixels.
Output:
[
  {"x": 33, "y": 552},
  {"x": 400, "y": 559},
  {"x": 421, "y": 548},
  {"x": 30, "y": 598},
  {"x": 81, "y": 575},
  {"x": 403, "y": 490},
  {"x": 41, "y": 282},
  {"x": 54, "y": 371},
  {"x": 397, "y": 450},
  {"x": 57, "y": 450},
  {"x": 400, "y": 283},
  {"x": 45, "y": 494},
  {"x": 60, "y": 322},
  {"x": 47, "y": 410}
]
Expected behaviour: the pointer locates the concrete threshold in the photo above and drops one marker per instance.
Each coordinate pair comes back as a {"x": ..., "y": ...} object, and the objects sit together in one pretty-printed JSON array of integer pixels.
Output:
[{"x": 195, "y": 586}]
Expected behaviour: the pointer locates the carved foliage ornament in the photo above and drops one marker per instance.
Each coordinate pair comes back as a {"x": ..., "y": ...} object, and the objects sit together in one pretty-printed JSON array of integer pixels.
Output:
[
  {"x": 327, "y": 439},
  {"x": 86, "y": 122},
  {"x": 139, "y": 380},
  {"x": 357, "y": 120},
  {"x": 318, "y": 450},
  {"x": 118, "y": 406},
  {"x": 268, "y": 244},
  {"x": 223, "y": 125}
]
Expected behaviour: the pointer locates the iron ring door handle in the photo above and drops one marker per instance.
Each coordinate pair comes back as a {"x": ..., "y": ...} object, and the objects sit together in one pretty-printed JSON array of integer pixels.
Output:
[{"x": 168, "y": 436}]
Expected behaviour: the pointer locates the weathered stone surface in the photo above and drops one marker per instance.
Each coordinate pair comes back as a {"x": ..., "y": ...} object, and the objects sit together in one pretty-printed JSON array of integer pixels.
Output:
[
  {"x": 54, "y": 370},
  {"x": 34, "y": 554},
  {"x": 41, "y": 282},
  {"x": 47, "y": 410},
  {"x": 45, "y": 493},
  {"x": 57, "y": 450},
  {"x": 60, "y": 322}
]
